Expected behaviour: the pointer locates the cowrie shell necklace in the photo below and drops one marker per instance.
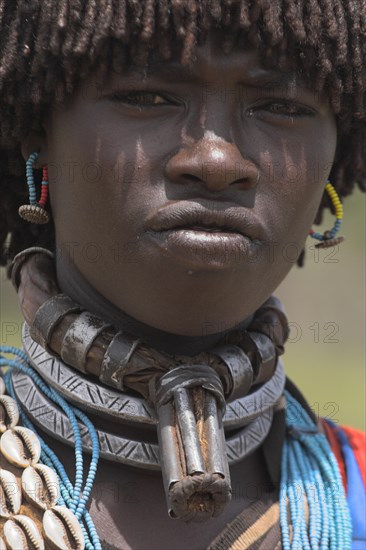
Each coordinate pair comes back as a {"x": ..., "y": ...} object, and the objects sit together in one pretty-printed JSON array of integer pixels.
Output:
[{"x": 44, "y": 486}]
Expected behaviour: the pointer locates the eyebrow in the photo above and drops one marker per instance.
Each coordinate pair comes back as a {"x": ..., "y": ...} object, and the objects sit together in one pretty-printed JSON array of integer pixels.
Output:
[{"x": 185, "y": 73}]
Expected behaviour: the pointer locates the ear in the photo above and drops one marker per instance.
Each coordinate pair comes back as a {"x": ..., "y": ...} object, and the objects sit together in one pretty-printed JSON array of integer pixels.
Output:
[{"x": 35, "y": 141}]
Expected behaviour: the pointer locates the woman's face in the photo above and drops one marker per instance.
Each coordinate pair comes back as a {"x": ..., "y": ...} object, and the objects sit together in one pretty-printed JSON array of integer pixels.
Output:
[{"x": 183, "y": 195}]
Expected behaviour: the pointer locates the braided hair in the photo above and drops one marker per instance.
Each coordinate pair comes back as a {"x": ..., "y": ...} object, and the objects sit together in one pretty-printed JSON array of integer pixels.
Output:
[{"x": 47, "y": 48}]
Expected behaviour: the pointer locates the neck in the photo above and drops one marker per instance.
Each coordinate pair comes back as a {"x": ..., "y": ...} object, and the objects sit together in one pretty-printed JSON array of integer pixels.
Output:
[{"x": 72, "y": 283}]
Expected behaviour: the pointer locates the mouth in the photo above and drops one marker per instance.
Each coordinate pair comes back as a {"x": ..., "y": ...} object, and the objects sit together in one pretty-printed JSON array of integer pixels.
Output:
[
  {"x": 203, "y": 229},
  {"x": 206, "y": 217},
  {"x": 206, "y": 235}
]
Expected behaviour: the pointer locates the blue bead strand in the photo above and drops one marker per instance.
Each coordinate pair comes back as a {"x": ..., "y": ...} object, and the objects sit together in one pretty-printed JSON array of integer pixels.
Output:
[
  {"x": 298, "y": 473},
  {"x": 284, "y": 501},
  {"x": 335, "y": 494},
  {"x": 73, "y": 496},
  {"x": 30, "y": 179},
  {"x": 312, "y": 494},
  {"x": 309, "y": 463},
  {"x": 93, "y": 464},
  {"x": 299, "y": 528}
]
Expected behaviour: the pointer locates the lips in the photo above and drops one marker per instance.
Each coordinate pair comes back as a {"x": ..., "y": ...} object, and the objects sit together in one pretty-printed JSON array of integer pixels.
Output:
[{"x": 207, "y": 216}]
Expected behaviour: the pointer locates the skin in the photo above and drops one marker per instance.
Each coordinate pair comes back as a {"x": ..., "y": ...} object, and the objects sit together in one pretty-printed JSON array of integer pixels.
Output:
[{"x": 276, "y": 146}]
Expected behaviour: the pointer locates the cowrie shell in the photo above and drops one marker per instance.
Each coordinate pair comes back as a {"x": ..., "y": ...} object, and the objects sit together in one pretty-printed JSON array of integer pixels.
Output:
[
  {"x": 10, "y": 494},
  {"x": 9, "y": 413},
  {"x": 62, "y": 529},
  {"x": 2, "y": 391},
  {"x": 40, "y": 486},
  {"x": 20, "y": 446},
  {"x": 20, "y": 532}
]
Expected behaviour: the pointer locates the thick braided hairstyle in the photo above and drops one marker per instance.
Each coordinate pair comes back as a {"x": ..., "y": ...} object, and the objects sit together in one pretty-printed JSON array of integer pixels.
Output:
[{"x": 47, "y": 47}]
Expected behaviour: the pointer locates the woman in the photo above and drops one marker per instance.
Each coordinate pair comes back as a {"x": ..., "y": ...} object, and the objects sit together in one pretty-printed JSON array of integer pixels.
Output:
[{"x": 169, "y": 133}]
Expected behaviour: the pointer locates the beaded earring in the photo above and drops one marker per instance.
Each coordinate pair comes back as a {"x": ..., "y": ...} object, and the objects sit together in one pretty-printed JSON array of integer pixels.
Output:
[
  {"x": 329, "y": 238},
  {"x": 35, "y": 212}
]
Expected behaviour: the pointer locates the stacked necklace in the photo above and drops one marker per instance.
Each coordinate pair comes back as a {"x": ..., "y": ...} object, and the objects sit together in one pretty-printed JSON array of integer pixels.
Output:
[
  {"x": 246, "y": 421},
  {"x": 183, "y": 396},
  {"x": 188, "y": 395}
]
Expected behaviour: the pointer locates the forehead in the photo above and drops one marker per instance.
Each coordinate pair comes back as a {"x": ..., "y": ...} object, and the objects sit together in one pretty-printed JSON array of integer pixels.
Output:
[
  {"x": 210, "y": 62},
  {"x": 205, "y": 66}
]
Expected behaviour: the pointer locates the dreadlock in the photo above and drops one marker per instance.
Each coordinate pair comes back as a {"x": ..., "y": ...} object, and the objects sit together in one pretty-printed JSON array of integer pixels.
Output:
[{"x": 47, "y": 48}]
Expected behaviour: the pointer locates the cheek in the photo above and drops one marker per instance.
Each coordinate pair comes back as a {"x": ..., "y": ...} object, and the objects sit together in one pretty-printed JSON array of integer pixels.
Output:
[
  {"x": 92, "y": 177},
  {"x": 294, "y": 177}
]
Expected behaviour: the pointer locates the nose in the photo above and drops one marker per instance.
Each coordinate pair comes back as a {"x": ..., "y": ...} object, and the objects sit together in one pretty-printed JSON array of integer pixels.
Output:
[{"x": 214, "y": 163}]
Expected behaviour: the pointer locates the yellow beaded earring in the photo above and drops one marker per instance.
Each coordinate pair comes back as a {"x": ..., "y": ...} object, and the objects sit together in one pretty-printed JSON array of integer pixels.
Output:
[{"x": 328, "y": 238}]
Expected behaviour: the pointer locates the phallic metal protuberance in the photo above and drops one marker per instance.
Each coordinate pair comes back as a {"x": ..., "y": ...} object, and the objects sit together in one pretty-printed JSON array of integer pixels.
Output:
[
  {"x": 20, "y": 446},
  {"x": 9, "y": 413},
  {"x": 10, "y": 494},
  {"x": 40, "y": 486},
  {"x": 62, "y": 529},
  {"x": 21, "y": 533},
  {"x": 190, "y": 405}
]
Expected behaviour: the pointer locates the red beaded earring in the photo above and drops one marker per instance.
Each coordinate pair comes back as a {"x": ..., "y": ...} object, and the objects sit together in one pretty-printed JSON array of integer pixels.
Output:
[{"x": 35, "y": 212}]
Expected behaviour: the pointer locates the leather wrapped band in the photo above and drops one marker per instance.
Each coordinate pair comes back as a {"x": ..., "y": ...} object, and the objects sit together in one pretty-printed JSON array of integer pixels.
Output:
[
  {"x": 240, "y": 368},
  {"x": 189, "y": 376},
  {"x": 49, "y": 315},
  {"x": 270, "y": 319},
  {"x": 264, "y": 356},
  {"x": 116, "y": 359},
  {"x": 79, "y": 339},
  {"x": 18, "y": 260}
]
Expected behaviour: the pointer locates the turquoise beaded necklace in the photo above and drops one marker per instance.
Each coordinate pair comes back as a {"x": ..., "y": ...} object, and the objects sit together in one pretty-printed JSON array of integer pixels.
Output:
[{"x": 309, "y": 472}]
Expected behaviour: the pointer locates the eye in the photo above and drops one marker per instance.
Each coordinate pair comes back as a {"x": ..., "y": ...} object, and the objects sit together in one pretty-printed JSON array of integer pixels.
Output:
[
  {"x": 285, "y": 109},
  {"x": 141, "y": 99}
]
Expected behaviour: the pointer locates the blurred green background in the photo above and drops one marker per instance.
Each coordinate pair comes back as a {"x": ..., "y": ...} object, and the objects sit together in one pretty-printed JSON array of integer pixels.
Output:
[{"x": 325, "y": 303}]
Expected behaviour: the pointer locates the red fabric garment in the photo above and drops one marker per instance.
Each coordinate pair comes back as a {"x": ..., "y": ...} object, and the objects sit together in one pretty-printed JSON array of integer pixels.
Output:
[{"x": 357, "y": 440}]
